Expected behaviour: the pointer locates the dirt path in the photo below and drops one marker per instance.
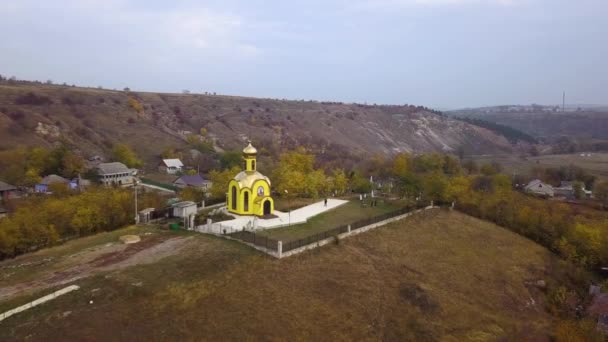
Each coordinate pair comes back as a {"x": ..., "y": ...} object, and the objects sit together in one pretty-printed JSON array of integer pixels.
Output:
[{"x": 108, "y": 257}]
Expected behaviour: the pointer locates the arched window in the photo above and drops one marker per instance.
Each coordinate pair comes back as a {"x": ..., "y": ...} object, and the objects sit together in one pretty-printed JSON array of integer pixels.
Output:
[
  {"x": 233, "y": 197},
  {"x": 246, "y": 201},
  {"x": 253, "y": 165}
]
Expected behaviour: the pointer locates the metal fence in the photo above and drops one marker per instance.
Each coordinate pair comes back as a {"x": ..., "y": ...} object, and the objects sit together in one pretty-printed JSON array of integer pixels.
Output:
[
  {"x": 272, "y": 244},
  {"x": 258, "y": 240}
]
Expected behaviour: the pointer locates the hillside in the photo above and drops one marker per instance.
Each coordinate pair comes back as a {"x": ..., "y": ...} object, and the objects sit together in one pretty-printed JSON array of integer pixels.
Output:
[
  {"x": 92, "y": 120},
  {"x": 544, "y": 123},
  {"x": 438, "y": 276}
]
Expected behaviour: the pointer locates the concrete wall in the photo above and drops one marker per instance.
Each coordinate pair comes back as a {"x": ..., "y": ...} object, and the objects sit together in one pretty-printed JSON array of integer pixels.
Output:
[{"x": 38, "y": 301}]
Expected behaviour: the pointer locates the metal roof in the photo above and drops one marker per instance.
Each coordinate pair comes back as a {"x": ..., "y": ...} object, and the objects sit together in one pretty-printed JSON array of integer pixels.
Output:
[
  {"x": 6, "y": 187},
  {"x": 111, "y": 168},
  {"x": 184, "y": 204},
  {"x": 173, "y": 163},
  {"x": 194, "y": 180},
  {"x": 53, "y": 179}
]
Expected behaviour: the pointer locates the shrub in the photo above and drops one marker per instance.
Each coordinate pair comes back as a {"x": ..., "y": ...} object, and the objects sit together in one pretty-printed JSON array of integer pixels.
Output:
[
  {"x": 66, "y": 100},
  {"x": 17, "y": 115},
  {"x": 135, "y": 104},
  {"x": 33, "y": 100}
]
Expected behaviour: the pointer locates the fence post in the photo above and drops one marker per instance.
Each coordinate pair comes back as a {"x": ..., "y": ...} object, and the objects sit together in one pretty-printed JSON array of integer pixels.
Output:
[
  {"x": 280, "y": 249},
  {"x": 348, "y": 228}
]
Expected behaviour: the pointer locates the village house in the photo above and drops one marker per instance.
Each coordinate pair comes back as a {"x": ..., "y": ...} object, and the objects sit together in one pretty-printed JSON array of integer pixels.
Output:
[
  {"x": 7, "y": 191},
  {"x": 116, "y": 174},
  {"x": 537, "y": 187},
  {"x": 47, "y": 181},
  {"x": 566, "y": 190},
  {"x": 171, "y": 166},
  {"x": 194, "y": 181}
]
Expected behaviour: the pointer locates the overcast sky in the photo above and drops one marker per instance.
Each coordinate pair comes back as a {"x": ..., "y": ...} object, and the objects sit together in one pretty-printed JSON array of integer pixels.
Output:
[{"x": 437, "y": 53}]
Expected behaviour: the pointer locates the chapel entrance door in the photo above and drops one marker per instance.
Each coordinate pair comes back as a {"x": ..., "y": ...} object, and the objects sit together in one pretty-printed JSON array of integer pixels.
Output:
[{"x": 266, "y": 207}]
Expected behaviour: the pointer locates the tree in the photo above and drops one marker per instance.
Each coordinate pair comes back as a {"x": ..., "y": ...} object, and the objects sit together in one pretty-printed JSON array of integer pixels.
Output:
[
  {"x": 600, "y": 192},
  {"x": 230, "y": 159},
  {"x": 124, "y": 154},
  {"x": 457, "y": 188},
  {"x": 434, "y": 186},
  {"x": 72, "y": 165},
  {"x": 340, "y": 182},
  {"x": 400, "y": 166},
  {"x": 193, "y": 194},
  {"x": 220, "y": 180},
  {"x": 451, "y": 165},
  {"x": 470, "y": 166},
  {"x": 170, "y": 153},
  {"x": 488, "y": 170},
  {"x": 578, "y": 189},
  {"x": 360, "y": 184},
  {"x": 316, "y": 183}
]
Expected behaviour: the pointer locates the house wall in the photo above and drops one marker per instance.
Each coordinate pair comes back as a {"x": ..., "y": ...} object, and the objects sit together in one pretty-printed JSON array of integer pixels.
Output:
[
  {"x": 184, "y": 211},
  {"x": 125, "y": 178}
]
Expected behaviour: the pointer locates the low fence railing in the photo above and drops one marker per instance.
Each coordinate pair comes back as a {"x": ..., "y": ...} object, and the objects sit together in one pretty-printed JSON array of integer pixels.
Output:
[
  {"x": 272, "y": 244},
  {"x": 258, "y": 240}
]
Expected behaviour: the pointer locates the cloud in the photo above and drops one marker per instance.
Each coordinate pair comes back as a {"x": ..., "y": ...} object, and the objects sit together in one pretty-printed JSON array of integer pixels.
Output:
[
  {"x": 393, "y": 4},
  {"x": 182, "y": 29}
]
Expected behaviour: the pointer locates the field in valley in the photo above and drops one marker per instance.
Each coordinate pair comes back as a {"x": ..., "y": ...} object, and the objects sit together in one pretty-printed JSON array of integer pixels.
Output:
[
  {"x": 596, "y": 164},
  {"x": 437, "y": 276}
]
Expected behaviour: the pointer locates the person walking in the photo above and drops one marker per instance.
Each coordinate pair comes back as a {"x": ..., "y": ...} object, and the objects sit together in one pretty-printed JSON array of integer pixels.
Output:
[{"x": 326, "y": 202}]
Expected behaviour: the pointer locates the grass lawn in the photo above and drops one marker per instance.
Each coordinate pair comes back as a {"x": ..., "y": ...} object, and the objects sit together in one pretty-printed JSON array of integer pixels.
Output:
[
  {"x": 438, "y": 276},
  {"x": 344, "y": 214}
]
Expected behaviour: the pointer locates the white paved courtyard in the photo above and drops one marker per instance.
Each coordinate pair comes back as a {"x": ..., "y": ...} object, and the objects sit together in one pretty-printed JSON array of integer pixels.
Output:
[{"x": 297, "y": 216}]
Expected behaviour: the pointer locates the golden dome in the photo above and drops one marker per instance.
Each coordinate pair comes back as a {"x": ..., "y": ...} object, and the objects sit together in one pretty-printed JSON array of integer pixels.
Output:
[
  {"x": 246, "y": 179},
  {"x": 250, "y": 149}
]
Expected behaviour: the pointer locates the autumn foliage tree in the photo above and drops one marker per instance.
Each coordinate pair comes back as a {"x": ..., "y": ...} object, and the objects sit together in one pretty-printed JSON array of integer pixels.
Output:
[
  {"x": 124, "y": 154},
  {"x": 40, "y": 222}
]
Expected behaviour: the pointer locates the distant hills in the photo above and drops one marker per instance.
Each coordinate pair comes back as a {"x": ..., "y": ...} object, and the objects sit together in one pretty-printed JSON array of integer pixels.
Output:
[
  {"x": 92, "y": 120},
  {"x": 546, "y": 122}
]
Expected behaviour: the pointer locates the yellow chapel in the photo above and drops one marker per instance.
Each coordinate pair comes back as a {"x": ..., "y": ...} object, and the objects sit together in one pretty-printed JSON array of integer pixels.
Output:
[{"x": 249, "y": 191}]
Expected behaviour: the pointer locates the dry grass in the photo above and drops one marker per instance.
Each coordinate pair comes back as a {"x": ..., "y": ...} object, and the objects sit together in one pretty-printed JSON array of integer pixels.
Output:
[{"x": 443, "y": 276}]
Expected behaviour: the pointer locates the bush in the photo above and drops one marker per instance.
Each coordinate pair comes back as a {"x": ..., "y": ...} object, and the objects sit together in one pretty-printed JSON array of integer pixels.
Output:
[{"x": 33, "y": 100}]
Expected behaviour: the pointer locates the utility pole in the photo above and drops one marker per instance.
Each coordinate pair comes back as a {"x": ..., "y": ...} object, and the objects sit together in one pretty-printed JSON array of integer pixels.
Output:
[
  {"x": 289, "y": 205},
  {"x": 564, "y": 102},
  {"x": 136, "y": 214}
]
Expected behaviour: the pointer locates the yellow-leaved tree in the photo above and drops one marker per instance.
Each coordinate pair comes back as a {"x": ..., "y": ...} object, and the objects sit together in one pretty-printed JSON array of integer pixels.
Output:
[{"x": 124, "y": 154}]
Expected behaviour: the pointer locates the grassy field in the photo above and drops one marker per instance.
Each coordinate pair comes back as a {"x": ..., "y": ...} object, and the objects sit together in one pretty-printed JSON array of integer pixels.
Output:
[
  {"x": 344, "y": 214},
  {"x": 437, "y": 276},
  {"x": 596, "y": 164}
]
